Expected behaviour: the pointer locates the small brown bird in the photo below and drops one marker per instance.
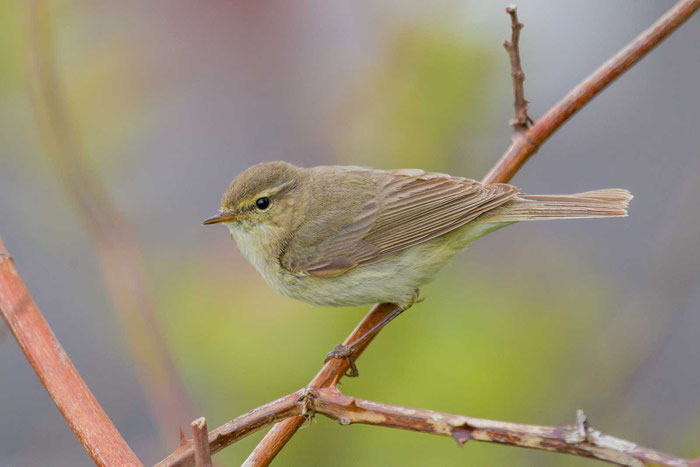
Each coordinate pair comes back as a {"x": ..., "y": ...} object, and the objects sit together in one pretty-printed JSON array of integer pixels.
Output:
[{"x": 345, "y": 236}]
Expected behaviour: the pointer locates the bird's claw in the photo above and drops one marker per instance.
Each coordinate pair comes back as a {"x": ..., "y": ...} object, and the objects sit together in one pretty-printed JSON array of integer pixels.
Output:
[{"x": 346, "y": 352}]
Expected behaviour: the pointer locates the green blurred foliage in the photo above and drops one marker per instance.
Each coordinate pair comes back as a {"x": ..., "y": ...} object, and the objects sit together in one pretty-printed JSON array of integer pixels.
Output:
[
  {"x": 105, "y": 121},
  {"x": 105, "y": 83},
  {"x": 10, "y": 46},
  {"x": 419, "y": 107}
]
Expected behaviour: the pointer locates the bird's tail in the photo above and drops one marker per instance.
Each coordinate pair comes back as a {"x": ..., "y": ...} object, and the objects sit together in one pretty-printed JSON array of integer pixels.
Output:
[{"x": 599, "y": 203}]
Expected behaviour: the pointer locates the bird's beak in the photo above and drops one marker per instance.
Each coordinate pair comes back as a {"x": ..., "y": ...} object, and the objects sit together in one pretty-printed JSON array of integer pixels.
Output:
[{"x": 223, "y": 217}]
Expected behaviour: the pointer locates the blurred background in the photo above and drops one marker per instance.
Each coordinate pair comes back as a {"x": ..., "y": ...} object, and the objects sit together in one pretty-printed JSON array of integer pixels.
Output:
[{"x": 122, "y": 122}]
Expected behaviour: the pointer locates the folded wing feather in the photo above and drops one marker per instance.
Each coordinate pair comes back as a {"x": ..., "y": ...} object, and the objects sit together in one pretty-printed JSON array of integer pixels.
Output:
[{"x": 411, "y": 207}]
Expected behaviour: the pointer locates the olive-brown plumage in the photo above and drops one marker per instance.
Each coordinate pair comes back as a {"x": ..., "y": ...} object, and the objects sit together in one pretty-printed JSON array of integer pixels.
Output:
[{"x": 342, "y": 235}]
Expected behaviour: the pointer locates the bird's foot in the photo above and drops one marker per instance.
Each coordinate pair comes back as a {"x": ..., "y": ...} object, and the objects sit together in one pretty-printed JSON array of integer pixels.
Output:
[
  {"x": 347, "y": 352},
  {"x": 415, "y": 298}
]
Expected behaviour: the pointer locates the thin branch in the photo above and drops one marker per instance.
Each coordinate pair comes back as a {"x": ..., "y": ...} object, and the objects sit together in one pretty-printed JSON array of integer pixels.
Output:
[
  {"x": 240, "y": 427},
  {"x": 522, "y": 120},
  {"x": 277, "y": 437},
  {"x": 577, "y": 439},
  {"x": 330, "y": 374},
  {"x": 56, "y": 372},
  {"x": 118, "y": 251},
  {"x": 526, "y": 143},
  {"x": 200, "y": 443}
]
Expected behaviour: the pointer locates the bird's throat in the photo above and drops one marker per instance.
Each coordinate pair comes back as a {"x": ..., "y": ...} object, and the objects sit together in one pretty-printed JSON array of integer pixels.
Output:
[{"x": 259, "y": 245}]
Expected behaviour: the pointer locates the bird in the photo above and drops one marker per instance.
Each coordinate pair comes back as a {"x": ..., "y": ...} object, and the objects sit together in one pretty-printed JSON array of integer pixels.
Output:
[{"x": 348, "y": 235}]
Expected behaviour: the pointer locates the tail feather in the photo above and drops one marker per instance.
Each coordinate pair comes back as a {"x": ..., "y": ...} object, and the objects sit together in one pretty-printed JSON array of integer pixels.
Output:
[{"x": 598, "y": 203}]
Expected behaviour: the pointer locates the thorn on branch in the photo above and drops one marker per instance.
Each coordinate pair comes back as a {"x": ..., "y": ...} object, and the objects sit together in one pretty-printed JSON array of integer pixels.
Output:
[
  {"x": 522, "y": 120},
  {"x": 3, "y": 251},
  {"x": 183, "y": 439},
  {"x": 580, "y": 432},
  {"x": 462, "y": 434},
  {"x": 200, "y": 439}
]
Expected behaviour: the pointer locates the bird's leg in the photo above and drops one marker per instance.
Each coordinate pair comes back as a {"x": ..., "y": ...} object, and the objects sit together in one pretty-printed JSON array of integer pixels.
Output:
[{"x": 348, "y": 351}]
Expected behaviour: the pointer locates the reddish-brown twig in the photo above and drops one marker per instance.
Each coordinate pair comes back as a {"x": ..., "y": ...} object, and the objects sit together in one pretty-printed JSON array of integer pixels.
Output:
[
  {"x": 330, "y": 374},
  {"x": 522, "y": 120},
  {"x": 200, "y": 443},
  {"x": 117, "y": 248},
  {"x": 240, "y": 427},
  {"x": 577, "y": 439},
  {"x": 69, "y": 392},
  {"x": 526, "y": 143}
]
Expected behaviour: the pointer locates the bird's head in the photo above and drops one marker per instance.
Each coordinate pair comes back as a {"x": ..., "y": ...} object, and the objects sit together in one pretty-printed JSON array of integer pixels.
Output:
[{"x": 263, "y": 195}]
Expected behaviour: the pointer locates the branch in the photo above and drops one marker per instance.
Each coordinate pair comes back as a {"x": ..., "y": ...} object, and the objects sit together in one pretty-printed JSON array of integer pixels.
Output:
[
  {"x": 330, "y": 374},
  {"x": 240, "y": 427},
  {"x": 276, "y": 411},
  {"x": 200, "y": 442},
  {"x": 522, "y": 120},
  {"x": 578, "y": 439},
  {"x": 526, "y": 143},
  {"x": 118, "y": 251},
  {"x": 56, "y": 372}
]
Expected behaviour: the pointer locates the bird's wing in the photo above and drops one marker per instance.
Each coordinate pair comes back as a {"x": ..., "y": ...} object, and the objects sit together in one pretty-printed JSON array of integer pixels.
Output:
[{"x": 411, "y": 207}]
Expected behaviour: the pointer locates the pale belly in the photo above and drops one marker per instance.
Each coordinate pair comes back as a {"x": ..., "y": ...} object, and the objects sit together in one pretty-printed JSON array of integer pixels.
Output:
[{"x": 393, "y": 280}]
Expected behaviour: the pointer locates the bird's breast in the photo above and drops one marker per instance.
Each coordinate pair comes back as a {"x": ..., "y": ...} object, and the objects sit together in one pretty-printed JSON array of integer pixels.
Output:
[{"x": 259, "y": 246}]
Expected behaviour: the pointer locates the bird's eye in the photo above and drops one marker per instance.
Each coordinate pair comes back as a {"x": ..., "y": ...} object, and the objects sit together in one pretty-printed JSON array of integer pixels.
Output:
[{"x": 262, "y": 203}]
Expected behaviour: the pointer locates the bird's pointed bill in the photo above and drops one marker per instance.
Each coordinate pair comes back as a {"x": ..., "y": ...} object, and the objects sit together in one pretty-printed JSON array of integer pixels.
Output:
[{"x": 223, "y": 217}]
